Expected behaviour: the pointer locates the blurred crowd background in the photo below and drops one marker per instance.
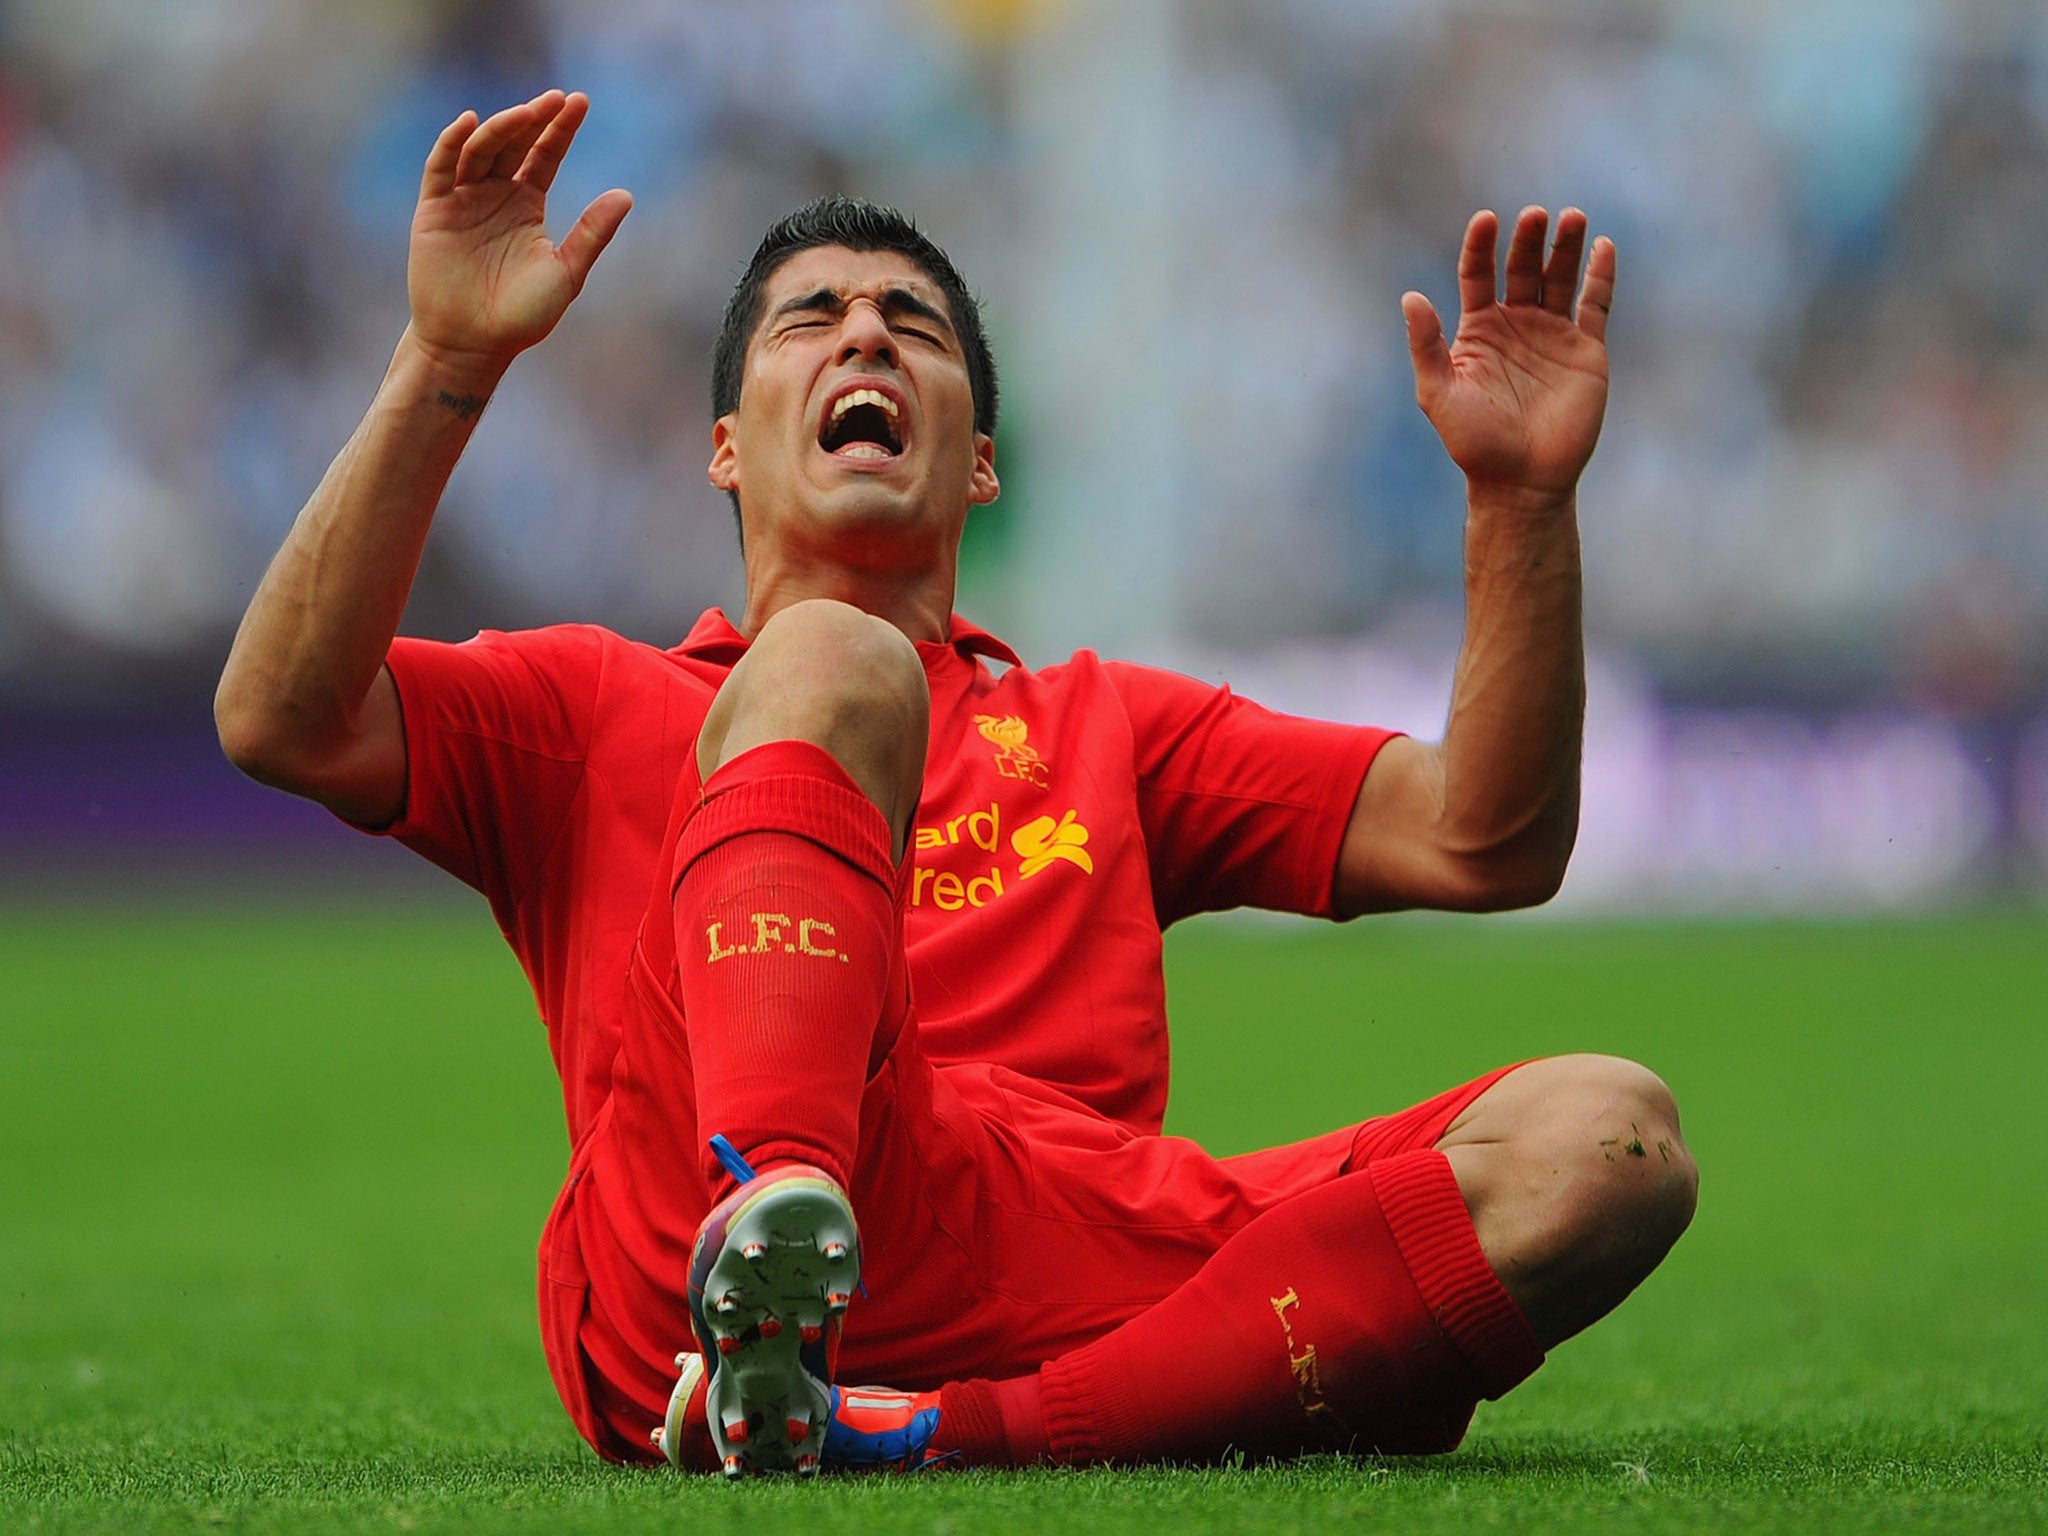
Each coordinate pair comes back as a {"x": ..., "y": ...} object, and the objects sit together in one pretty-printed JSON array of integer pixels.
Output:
[{"x": 1817, "y": 546}]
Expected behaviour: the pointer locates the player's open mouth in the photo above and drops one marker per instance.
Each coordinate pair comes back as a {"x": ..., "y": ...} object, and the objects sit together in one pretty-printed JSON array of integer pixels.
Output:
[{"x": 862, "y": 424}]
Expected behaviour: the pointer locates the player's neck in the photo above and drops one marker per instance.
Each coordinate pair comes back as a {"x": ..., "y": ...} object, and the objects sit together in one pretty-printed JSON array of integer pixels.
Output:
[{"x": 918, "y": 602}]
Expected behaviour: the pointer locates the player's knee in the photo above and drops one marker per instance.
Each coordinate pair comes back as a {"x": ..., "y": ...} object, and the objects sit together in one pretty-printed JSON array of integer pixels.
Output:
[
  {"x": 829, "y": 650},
  {"x": 827, "y": 673},
  {"x": 1614, "y": 1122},
  {"x": 1579, "y": 1183}
]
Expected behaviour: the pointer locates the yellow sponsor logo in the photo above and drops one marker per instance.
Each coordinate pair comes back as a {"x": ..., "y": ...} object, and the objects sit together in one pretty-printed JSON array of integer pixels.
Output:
[
  {"x": 1016, "y": 758},
  {"x": 1037, "y": 844},
  {"x": 1042, "y": 841}
]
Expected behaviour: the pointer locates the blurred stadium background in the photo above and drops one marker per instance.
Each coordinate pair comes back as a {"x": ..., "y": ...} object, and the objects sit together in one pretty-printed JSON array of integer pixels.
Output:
[{"x": 1817, "y": 548}]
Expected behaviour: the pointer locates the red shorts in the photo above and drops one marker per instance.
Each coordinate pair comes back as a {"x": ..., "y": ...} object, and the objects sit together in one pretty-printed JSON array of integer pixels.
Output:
[{"x": 1002, "y": 1222}]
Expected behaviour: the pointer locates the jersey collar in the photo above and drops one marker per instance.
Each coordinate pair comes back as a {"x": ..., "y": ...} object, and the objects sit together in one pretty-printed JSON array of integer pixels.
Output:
[{"x": 713, "y": 638}]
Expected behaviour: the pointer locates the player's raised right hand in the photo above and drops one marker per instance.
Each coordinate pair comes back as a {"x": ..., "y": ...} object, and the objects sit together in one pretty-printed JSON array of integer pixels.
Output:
[{"x": 484, "y": 279}]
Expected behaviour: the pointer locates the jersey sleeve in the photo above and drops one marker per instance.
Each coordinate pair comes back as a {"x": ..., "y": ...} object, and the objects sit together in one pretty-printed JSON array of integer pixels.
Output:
[
  {"x": 1241, "y": 806},
  {"x": 497, "y": 730}
]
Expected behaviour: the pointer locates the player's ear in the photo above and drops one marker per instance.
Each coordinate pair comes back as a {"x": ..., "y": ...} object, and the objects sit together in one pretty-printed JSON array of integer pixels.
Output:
[
  {"x": 982, "y": 485},
  {"x": 725, "y": 453}
]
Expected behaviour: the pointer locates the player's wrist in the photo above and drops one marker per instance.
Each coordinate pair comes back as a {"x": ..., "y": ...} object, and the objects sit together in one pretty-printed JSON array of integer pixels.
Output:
[
  {"x": 1497, "y": 500},
  {"x": 461, "y": 379}
]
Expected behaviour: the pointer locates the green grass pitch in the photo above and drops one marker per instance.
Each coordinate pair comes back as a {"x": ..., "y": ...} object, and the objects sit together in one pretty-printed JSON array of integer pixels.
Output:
[{"x": 270, "y": 1181}]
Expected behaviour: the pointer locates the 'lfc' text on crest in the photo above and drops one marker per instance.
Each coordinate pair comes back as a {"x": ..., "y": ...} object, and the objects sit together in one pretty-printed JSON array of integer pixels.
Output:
[{"x": 1015, "y": 757}]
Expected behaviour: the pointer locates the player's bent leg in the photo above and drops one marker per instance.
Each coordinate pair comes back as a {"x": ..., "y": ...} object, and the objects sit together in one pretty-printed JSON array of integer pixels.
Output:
[
  {"x": 1363, "y": 1311},
  {"x": 791, "y": 990},
  {"x": 826, "y": 673},
  {"x": 1578, "y": 1182}
]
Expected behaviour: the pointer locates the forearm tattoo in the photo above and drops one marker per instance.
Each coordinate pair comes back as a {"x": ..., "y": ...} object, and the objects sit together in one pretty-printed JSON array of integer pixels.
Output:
[{"x": 464, "y": 406}]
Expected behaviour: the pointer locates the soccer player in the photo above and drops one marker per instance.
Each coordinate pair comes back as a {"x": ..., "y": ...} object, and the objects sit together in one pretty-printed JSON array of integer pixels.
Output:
[{"x": 848, "y": 941}]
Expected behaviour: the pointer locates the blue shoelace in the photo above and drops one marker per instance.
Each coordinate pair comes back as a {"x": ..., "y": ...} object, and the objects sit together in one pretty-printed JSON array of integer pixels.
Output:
[{"x": 729, "y": 1156}]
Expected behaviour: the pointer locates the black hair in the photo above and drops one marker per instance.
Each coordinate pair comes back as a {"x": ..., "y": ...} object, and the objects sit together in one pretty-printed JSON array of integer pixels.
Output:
[{"x": 859, "y": 226}]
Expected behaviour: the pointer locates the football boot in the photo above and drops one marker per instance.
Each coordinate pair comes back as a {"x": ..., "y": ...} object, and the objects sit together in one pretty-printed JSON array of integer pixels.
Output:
[
  {"x": 869, "y": 1429},
  {"x": 772, "y": 1271}
]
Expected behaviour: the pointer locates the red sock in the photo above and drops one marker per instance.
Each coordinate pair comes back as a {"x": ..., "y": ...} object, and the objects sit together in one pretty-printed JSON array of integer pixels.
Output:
[
  {"x": 786, "y": 951},
  {"x": 1360, "y": 1316}
]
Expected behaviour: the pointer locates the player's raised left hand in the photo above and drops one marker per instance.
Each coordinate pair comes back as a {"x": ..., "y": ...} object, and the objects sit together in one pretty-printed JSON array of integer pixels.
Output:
[{"x": 1518, "y": 394}]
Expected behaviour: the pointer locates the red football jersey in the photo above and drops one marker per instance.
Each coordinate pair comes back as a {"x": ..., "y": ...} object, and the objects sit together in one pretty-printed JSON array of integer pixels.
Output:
[{"x": 1068, "y": 816}]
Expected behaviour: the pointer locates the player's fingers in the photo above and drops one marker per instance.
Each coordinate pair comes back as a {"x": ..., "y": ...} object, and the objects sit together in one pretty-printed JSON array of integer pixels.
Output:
[
  {"x": 581, "y": 247},
  {"x": 1426, "y": 349},
  {"x": 438, "y": 179},
  {"x": 487, "y": 138},
  {"x": 1596, "y": 293},
  {"x": 546, "y": 108},
  {"x": 1525, "y": 256},
  {"x": 1562, "y": 270},
  {"x": 1475, "y": 261},
  {"x": 545, "y": 158}
]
